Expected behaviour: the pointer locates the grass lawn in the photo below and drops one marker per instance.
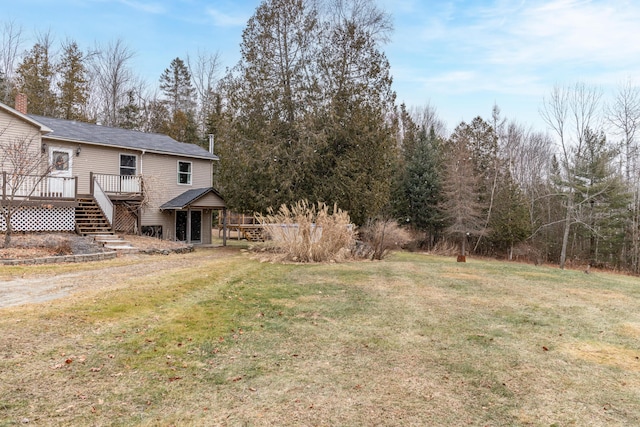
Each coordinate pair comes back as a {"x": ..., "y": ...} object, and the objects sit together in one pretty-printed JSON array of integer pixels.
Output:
[{"x": 412, "y": 340}]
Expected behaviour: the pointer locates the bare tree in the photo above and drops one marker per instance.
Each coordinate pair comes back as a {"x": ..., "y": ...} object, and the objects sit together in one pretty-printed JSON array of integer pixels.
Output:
[
  {"x": 113, "y": 78},
  {"x": 10, "y": 45},
  {"x": 205, "y": 73},
  {"x": 623, "y": 116},
  {"x": 427, "y": 117},
  {"x": 461, "y": 207},
  {"x": 23, "y": 167},
  {"x": 571, "y": 112}
]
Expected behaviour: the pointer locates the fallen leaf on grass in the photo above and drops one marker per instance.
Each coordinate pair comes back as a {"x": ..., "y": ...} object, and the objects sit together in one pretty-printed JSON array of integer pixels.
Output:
[{"x": 172, "y": 379}]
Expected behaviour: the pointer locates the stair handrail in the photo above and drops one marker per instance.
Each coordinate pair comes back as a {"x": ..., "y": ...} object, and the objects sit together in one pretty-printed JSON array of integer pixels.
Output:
[{"x": 103, "y": 201}]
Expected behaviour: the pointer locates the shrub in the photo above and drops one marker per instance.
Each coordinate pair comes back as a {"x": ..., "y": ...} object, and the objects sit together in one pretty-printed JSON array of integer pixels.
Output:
[
  {"x": 379, "y": 237},
  {"x": 308, "y": 233}
]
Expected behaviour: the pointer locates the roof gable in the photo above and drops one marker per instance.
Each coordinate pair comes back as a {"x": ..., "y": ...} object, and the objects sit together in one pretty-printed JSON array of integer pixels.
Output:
[
  {"x": 13, "y": 112},
  {"x": 193, "y": 196}
]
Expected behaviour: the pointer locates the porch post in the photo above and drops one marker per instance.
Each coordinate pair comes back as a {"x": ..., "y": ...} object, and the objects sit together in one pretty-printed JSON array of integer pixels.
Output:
[
  {"x": 224, "y": 226},
  {"x": 4, "y": 185},
  {"x": 189, "y": 225},
  {"x": 91, "y": 183}
]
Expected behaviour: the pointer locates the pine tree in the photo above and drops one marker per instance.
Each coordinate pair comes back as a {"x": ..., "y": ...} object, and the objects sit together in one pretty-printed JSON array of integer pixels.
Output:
[
  {"x": 130, "y": 115},
  {"x": 73, "y": 85},
  {"x": 418, "y": 198},
  {"x": 601, "y": 201},
  {"x": 176, "y": 85},
  {"x": 510, "y": 223},
  {"x": 35, "y": 76}
]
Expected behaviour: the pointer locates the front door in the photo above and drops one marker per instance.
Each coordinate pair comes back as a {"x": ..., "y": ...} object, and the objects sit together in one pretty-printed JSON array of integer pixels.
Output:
[
  {"x": 189, "y": 223},
  {"x": 61, "y": 160}
]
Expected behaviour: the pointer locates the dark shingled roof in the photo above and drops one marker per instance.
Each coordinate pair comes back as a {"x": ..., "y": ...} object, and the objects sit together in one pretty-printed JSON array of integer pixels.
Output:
[
  {"x": 188, "y": 197},
  {"x": 116, "y": 137}
]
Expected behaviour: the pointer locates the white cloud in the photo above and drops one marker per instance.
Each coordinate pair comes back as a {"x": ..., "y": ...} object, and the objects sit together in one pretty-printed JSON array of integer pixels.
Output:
[
  {"x": 148, "y": 7},
  {"x": 221, "y": 19}
]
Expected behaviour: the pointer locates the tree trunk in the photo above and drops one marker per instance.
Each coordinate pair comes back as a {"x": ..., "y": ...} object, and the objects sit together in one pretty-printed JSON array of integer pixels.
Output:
[
  {"x": 565, "y": 237},
  {"x": 7, "y": 234}
]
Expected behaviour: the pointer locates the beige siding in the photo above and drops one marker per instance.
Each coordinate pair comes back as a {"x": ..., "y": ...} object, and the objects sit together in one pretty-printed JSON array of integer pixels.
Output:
[
  {"x": 208, "y": 201},
  {"x": 93, "y": 158},
  {"x": 161, "y": 180},
  {"x": 13, "y": 128},
  {"x": 160, "y": 174}
]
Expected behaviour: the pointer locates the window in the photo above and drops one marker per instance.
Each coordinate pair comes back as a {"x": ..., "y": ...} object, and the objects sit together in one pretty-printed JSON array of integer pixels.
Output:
[
  {"x": 184, "y": 173},
  {"x": 60, "y": 160},
  {"x": 127, "y": 164}
]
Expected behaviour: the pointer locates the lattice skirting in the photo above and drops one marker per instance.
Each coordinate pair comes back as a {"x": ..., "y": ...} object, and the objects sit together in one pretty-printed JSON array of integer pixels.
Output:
[
  {"x": 125, "y": 220},
  {"x": 33, "y": 218}
]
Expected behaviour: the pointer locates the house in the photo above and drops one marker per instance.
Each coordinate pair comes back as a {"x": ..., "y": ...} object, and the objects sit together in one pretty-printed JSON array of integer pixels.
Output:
[{"x": 101, "y": 179}]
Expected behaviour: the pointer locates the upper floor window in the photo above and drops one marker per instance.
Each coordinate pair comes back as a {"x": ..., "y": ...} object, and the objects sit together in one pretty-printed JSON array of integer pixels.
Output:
[
  {"x": 184, "y": 173},
  {"x": 127, "y": 164}
]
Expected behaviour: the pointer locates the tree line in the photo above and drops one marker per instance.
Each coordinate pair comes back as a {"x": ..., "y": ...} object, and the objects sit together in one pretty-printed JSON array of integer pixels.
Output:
[{"x": 309, "y": 113}]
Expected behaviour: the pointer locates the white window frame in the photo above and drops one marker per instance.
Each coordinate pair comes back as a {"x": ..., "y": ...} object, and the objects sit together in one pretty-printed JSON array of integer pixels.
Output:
[
  {"x": 135, "y": 167},
  {"x": 65, "y": 172},
  {"x": 190, "y": 173}
]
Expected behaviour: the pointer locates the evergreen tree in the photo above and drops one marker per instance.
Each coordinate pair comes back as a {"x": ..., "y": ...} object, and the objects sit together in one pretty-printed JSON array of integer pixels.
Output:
[
  {"x": 601, "y": 201},
  {"x": 510, "y": 223},
  {"x": 175, "y": 83},
  {"x": 360, "y": 149},
  {"x": 130, "y": 115},
  {"x": 73, "y": 84},
  {"x": 419, "y": 195},
  {"x": 182, "y": 127},
  {"x": 35, "y": 76},
  {"x": 269, "y": 145}
]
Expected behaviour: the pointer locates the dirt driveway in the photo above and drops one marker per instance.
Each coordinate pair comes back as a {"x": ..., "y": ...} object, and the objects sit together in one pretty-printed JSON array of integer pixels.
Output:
[{"x": 41, "y": 287}]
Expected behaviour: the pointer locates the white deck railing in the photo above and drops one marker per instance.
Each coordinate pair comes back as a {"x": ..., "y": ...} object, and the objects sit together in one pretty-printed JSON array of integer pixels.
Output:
[
  {"x": 103, "y": 201},
  {"x": 119, "y": 184},
  {"x": 35, "y": 186}
]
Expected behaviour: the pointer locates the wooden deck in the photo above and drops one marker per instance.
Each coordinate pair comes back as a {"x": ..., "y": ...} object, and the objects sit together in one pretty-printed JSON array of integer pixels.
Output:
[{"x": 245, "y": 226}]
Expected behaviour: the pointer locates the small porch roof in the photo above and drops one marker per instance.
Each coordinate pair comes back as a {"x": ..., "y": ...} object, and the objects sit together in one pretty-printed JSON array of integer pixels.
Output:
[{"x": 201, "y": 197}]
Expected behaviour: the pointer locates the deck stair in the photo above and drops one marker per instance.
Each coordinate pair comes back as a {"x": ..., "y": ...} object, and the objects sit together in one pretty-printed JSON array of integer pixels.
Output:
[
  {"x": 115, "y": 243},
  {"x": 90, "y": 219}
]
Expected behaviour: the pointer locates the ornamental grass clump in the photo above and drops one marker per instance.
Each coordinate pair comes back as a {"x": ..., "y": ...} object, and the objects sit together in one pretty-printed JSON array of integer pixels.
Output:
[
  {"x": 308, "y": 233},
  {"x": 379, "y": 237}
]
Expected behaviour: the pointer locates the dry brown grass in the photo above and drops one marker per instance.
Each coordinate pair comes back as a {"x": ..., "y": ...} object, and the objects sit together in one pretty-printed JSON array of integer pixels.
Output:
[
  {"x": 308, "y": 233},
  {"x": 412, "y": 340},
  {"x": 380, "y": 237}
]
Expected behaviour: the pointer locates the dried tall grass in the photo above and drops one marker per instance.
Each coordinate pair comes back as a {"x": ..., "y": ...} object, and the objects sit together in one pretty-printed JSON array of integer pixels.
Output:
[
  {"x": 309, "y": 233},
  {"x": 380, "y": 237}
]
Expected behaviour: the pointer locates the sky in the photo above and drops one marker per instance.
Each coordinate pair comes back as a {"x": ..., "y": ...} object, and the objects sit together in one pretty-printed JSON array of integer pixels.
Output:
[{"x": 459, "y": 57}]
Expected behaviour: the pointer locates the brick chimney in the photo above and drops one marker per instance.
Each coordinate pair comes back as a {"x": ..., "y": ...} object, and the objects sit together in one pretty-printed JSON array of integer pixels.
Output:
[{"x": 21, "y": 103}]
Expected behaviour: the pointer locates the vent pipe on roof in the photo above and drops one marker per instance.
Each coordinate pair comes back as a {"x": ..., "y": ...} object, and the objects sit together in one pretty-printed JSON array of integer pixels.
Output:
[{"x": 211, "y": 143}]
